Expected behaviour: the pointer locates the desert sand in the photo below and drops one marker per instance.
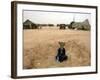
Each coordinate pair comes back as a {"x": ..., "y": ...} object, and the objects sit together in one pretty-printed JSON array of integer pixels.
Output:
[{"x": 40, "y": 48}]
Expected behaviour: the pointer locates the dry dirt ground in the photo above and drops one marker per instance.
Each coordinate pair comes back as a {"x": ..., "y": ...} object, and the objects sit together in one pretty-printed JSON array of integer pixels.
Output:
[{"x": 40, "y": 48}]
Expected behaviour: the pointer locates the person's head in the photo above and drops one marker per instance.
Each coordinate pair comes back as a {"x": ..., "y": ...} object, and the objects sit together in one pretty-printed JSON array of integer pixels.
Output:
[{"x": 62, "y": 44}]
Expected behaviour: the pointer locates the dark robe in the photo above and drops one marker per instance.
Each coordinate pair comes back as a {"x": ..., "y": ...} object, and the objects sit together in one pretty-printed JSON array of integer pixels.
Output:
[{"x": 61, "y": 55}]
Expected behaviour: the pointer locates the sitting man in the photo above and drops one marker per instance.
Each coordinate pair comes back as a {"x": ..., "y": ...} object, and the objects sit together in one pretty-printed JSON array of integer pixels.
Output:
[{"x": 61, "y": 54}]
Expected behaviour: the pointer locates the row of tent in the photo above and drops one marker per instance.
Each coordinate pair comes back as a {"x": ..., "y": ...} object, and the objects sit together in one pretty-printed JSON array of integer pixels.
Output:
[{"x": 73, "y": 25}]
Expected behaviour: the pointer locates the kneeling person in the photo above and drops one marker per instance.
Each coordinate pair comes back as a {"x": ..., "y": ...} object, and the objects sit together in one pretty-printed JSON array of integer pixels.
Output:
[{"x": 61, "y": 53}]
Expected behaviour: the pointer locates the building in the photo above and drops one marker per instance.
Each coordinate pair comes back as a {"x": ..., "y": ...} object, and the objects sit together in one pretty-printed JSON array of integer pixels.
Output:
[
  {"x": 29, "y": 25},
  {"x": 81, "y": 25}
]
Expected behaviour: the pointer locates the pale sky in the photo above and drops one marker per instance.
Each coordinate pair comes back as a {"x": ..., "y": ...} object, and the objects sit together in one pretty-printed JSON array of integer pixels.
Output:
[{"x": 47, "y": 17}]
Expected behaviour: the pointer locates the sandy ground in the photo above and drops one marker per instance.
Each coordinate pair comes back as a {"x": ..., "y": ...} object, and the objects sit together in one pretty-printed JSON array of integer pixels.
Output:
[{"x": 40, "y": 48}]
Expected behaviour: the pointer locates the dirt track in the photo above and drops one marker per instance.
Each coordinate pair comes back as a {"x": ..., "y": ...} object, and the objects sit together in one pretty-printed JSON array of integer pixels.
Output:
[{"x": 40, "y": 48}]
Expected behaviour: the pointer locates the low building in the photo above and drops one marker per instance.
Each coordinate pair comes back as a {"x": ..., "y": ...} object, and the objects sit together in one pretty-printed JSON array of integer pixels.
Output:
[
  {"x": 81, "y": 25},
  {"x": 29, "y": 25},
  {"x": 62, "y": 26}
]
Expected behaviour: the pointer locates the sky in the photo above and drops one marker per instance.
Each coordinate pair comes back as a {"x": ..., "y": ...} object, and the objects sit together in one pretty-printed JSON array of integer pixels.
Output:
[{"x": 49, "y": 17}]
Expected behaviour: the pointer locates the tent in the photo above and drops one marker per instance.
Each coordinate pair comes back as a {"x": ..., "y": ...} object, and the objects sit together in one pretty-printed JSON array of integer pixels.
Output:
[
  {"x": 81, "y": 25},
  {"x": 29, "y": 25}
]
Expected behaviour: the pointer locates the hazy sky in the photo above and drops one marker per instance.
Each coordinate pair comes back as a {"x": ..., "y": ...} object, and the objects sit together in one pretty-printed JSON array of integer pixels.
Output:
[{"x": 54, "y": 17}]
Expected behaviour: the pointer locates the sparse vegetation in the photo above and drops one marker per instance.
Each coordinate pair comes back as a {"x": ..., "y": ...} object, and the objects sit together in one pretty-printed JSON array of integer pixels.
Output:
[{"x": 40, "y": 47}]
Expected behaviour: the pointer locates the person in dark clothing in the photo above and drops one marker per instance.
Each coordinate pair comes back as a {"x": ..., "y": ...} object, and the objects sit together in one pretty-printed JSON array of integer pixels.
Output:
[{"x": 61, "y": 53}]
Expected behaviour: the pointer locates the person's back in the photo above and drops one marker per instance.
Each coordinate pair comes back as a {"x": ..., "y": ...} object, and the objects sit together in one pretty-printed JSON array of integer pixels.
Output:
[{"x": 61, "y": 53}]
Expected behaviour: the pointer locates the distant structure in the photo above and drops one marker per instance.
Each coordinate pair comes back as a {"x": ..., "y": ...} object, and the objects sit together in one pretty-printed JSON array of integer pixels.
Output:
[
  {"x": 62, "y": 26},
  {"x": 85, "y": 25},
  {"x": 29, "y": 25},
  {"x": 51, "y": 25}
]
